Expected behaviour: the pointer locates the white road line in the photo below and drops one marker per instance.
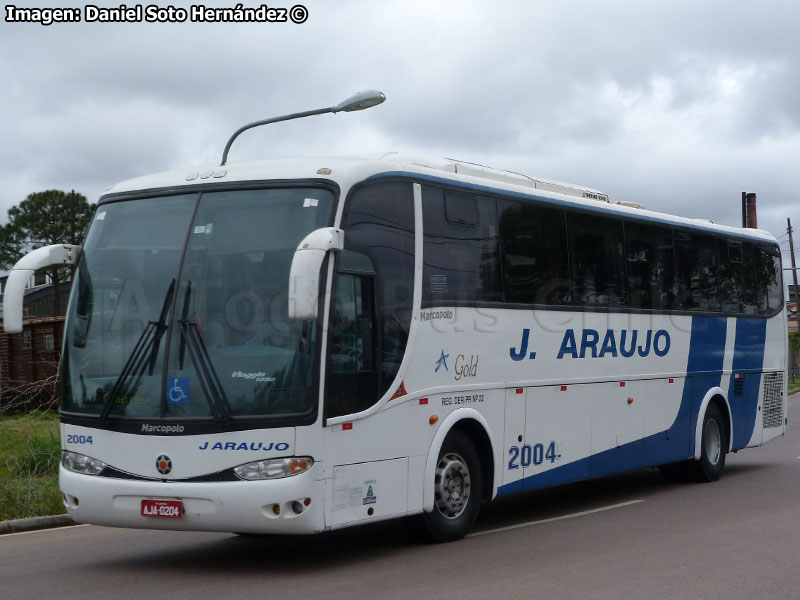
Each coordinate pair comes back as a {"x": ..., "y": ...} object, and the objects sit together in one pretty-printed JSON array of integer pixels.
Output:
[{"x": 561, "y": 518}]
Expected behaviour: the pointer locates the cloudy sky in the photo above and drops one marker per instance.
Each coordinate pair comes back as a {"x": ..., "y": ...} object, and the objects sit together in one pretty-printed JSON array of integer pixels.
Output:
[{"x": 679, "y": 105}]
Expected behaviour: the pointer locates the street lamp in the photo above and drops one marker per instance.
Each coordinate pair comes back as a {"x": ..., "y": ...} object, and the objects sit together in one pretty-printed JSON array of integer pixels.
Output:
[{"x": 359, "y": 101}]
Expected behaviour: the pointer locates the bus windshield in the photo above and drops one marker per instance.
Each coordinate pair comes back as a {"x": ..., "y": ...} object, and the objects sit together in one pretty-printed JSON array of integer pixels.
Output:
[{"x": 179, "y": 308}]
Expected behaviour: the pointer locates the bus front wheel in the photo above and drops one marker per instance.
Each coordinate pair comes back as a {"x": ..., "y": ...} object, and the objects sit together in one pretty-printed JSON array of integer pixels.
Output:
[{"x": 458, "y": 482}]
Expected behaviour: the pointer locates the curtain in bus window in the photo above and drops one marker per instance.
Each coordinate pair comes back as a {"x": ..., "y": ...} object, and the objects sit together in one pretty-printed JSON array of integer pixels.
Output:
[
  {"x": 597, "y": 260},
  {"x": 533, "y": 241},
  {"x": 461, "y": 252},
  {"x": 651, "y": 266},
  {"x": 696, "y": 272}
]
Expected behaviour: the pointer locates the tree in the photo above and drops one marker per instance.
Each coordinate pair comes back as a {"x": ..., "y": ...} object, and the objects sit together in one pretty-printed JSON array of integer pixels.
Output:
[{"x": 44, "y": 218}]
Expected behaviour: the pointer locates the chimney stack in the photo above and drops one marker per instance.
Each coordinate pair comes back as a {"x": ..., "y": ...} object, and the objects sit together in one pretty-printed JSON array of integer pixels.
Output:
[{"x": 752, "y": 218}]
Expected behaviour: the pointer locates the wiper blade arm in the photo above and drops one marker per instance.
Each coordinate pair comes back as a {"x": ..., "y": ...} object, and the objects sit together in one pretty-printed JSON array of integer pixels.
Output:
[
  {"x": 209, "y": 380},
  {"x": 135, "y": 363},
  {"x": 161, "y": 325},
  {"x": 184, "y": 319},
  {"x": 148, "y": 342}
]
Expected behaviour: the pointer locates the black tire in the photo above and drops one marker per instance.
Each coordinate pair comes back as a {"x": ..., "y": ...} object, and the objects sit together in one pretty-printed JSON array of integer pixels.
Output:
[
  {"x": 458, "y": 489},
  {"x": 713, "y": 447}
]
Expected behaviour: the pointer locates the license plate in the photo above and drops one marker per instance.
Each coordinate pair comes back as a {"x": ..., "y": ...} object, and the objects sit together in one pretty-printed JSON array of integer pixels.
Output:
[{"x": 164, "y": 509}]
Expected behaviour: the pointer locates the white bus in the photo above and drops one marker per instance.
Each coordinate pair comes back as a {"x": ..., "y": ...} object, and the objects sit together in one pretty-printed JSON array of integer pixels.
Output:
[{"x": 300, "y": 345}]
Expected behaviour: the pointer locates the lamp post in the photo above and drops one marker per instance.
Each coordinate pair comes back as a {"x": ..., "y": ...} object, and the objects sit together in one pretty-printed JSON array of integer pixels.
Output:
[{"x": 359, "y": 101}]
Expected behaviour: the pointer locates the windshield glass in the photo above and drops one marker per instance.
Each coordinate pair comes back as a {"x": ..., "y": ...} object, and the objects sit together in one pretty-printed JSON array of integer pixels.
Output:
[{"x": 180, "y": 307}]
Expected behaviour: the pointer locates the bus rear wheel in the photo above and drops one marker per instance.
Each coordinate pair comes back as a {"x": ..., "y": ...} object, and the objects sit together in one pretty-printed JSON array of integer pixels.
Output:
[
  {"x": 458, "y": 482},
  {"x": 713, "y": 447}
]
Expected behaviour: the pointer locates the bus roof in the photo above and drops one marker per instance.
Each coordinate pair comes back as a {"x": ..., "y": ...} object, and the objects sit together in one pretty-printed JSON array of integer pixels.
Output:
[{"x": 349, "y": 170}]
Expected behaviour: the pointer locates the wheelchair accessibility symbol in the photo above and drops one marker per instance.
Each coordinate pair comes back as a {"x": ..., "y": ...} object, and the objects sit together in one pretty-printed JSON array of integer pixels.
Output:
[{"x": 177, "y": 390}]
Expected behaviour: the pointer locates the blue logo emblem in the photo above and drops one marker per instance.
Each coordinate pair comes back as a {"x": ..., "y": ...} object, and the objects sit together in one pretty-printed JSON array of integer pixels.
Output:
[
  {"x": 177, "y": 390},
  {"x": 442, "y": 362}
]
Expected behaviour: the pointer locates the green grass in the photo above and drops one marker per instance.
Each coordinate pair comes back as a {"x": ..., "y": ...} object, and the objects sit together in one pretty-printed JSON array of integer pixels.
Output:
[
  {"x": 29, "y": 455},
  {"x": 794, "y": 384}
]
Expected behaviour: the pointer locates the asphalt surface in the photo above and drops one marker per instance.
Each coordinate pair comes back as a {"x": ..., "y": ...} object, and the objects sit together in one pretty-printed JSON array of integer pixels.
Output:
[{"x": 626, "y": 536}]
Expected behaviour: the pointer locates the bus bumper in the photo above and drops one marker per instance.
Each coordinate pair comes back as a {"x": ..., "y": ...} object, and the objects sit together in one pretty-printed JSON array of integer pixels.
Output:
[{"x": 287, "y": 505}]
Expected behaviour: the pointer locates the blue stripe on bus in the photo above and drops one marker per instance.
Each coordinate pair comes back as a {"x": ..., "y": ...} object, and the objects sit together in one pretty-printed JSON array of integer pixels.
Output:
[
  {"x": 748, "y": 359},
  {"x": 704, "y": 367},
  {"x": 703, "y": 371}
]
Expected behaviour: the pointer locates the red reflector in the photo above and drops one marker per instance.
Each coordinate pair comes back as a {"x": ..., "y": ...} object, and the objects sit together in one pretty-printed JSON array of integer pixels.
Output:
[
  {"x": 671, "y": 380},
  {"x": 563, "y": 388},
  {"x": 739, "y": 375},
  {"x": 423, "y": 400},
  {"x": 519, "y": 390},
  {"x": 401, "y": 391},
  {"x": 347, "y": 426},
  {"x": 621, "y": 384}
]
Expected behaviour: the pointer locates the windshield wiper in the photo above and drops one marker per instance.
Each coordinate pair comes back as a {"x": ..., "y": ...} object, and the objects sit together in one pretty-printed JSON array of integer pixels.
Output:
[
  {"x": 144, "y": 351},
  {"x": 198, "y": 352},
  {"x": 184, "y": 318}
]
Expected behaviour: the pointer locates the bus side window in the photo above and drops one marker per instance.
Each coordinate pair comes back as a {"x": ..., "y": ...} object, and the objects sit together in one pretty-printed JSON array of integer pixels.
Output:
[
  {"x": 768, "y": 280},
  {"x": 374, "y": 291},
  {"x": 749, "y": 297},
  {"x": 696, "y": 272},
  {"x": 351, "y": 338},
  {"x": 352, "y": 370},
  {"x": 650, "y": 257},
  {"x": 597, "y": 260},
  {"x": 730, "y": 258},
  {"x": 461, "y": 250},
  {"x": 533, "y": 243}
]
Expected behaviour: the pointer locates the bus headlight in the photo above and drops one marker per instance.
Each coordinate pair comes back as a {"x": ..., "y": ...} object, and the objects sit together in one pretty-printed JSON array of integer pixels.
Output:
[
  {"x": 80, "y": 463},
  {"x": 274, "y": 468}
]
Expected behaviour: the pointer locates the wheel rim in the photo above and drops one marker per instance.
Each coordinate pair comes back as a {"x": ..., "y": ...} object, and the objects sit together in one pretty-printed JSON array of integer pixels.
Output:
[
  {"x": 713, "y": 441},
  {"x": 452, "y": 485}
]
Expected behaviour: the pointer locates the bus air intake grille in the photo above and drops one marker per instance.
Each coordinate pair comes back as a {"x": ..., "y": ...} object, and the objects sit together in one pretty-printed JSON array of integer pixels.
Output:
[
  {"x": 226, "y": 475},
  {"x": 773, "y": 400}
]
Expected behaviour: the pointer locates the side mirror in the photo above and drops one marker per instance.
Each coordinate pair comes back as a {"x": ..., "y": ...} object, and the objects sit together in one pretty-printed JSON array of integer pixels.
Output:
[
  {"x": 304, "y": 273},
  {"x": 21, "y": 273}
]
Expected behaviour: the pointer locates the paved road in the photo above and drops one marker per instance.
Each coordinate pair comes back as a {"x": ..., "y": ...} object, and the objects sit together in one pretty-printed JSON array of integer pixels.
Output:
[{"x": 630, "y": 536}]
